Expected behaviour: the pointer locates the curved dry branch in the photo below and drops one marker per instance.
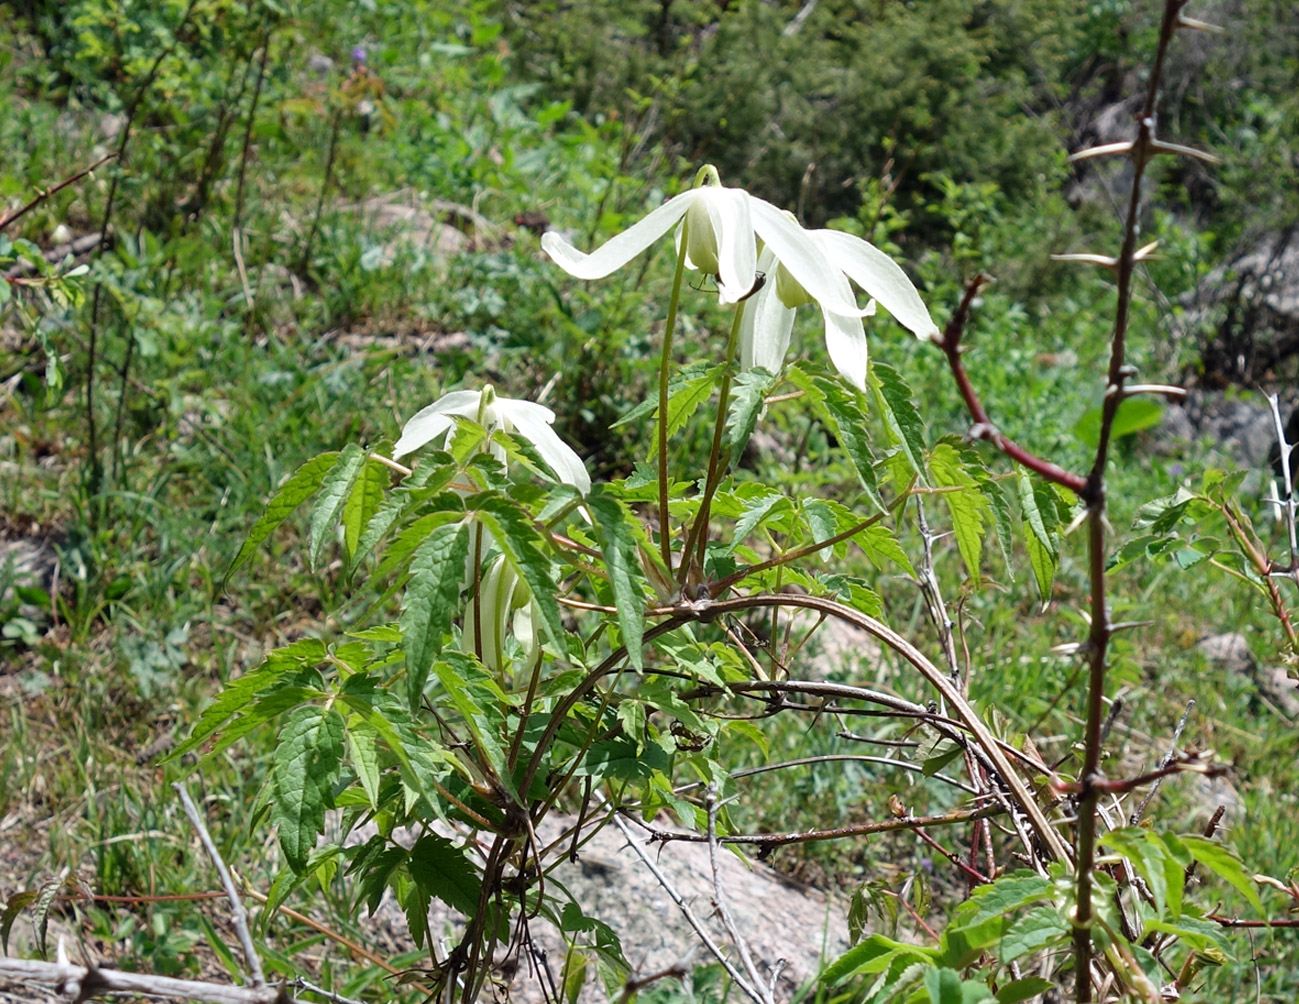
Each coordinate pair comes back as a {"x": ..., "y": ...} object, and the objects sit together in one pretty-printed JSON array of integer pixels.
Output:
[{"x": 960, "y": 708}]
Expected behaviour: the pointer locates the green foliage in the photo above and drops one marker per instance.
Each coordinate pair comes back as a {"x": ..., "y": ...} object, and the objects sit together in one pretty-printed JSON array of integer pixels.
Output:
[{"x": 246, "y": 317}]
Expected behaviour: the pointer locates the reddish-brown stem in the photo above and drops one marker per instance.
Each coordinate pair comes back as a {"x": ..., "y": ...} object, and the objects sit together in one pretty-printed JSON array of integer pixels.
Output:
[
  {"x": 1093, "y": 494},
  {"x": 1238, "y": 922},
  {"x": 44, "y": 194},
  {"x": 1263, "y": 567},
  {"x": 983, "y": 427},
  {"x": 970, "y": 873}
]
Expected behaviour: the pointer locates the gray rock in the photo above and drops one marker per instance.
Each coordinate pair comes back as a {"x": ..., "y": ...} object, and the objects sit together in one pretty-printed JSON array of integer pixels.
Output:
[
  {"x": 779, "y": 919},
  {"x": 1230, "y": 651}
]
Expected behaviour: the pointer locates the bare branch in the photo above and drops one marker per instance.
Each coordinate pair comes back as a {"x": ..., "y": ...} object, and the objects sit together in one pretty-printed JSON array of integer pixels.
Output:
[
  {"x": 676, "y": 897},
  {"x": 45, "y": 193},
  {"x": 238, "y": 914},
  {"x": 719, "y": 898}
]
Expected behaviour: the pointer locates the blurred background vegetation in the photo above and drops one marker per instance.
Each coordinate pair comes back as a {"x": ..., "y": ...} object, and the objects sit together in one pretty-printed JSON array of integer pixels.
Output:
[{"x": 320, "y": 215}]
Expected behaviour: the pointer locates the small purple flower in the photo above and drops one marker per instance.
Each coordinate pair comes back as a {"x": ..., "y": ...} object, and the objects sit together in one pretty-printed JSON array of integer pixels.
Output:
[{"x": 358, "y": 55}]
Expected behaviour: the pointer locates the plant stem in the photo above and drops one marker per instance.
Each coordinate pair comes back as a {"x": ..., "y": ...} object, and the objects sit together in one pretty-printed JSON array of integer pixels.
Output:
[
  {"x": 669, "y": 329},
  {"x": 1093, "y": 494},
  {"x": 699, "y": 529}
]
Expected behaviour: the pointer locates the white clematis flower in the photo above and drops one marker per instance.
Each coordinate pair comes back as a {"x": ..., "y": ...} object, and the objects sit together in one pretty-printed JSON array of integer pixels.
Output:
[
  {"x": 769, "y": 315},
  {"x": 524, "y": 418},
  {"x": 721, "y": 230}
]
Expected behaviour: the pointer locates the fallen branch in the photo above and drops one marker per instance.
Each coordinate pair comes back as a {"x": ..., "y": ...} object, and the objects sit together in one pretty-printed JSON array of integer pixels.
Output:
[{"x": 78, "y": 983}]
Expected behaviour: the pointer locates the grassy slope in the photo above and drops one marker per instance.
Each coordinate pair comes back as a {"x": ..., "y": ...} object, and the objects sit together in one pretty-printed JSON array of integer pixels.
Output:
[{"x": 222, "y": 401}]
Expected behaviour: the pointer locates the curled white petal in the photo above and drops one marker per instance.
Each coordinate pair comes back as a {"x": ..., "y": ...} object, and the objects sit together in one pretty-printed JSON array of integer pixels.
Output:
[
  {"x": 845, "y": 340},
  {"x": 618, "y": 251},
  {"x": 803, "y": 257},
  {"x": 766, "y": 324},
  {"x": 533, "y": 422},
  {"x": 882, "y": 278},
  {"x": 436, "y": 420},
  {"x": 728, "y": 208}
]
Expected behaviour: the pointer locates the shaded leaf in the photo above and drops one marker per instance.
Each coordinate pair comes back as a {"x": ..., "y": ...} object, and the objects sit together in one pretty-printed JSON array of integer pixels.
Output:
[
  {"x": 894, "y": 399},
  {"x": 618, "y": 545},
  {"x": 748, "y": 395},
  {"x": 442, "y": 870}
]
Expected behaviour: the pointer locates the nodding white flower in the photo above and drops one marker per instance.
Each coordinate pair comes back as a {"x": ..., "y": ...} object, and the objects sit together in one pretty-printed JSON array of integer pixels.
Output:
[
  {"x": 721, "y": 228},
  {"x": 523, "y": 418},
  {"x": 769, "y": 314}
]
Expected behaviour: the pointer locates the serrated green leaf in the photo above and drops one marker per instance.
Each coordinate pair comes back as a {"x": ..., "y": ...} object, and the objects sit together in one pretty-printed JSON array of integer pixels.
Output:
[
  {"x": 944, "y": 987},
  {"x": 879, "y": 545},
  {"x": 1146, "y": 852},
  {"x": 45, "y": 897},
  {"x": 1037, "y": 929},
  {"x": 363, "y": 501},
  {"x": 480, "y": 702},
  {"x": 1223, "y": 862},
  {"x": 235, "y": 698},
  {"x": 431, "y": 601},
  {"x": 894, "y": 399},
  {"x": 1023, "y": 989},
  {"x": 363, "y": 754},
  {"x": 514, "y": 531},
  {"x": 442, "y": 870},
  {"x": 307, "y": 760},
  {"x": 748, "y": 395},
  {"x": 751, "y": 732},
  {"x": 966, "y": 504},
  {"x": 1008, "y": 893},
  {"x": 841, "y": 410},
  {"x": 301, "y": 486},
  {"x": 756, "y": 512},
  {"x": 689, "y": 388},
  {"x": 328, "y": 509},
  {"x": 264, "y": 710},
  {"x": 1194, "y": 933},
  {"x": 618, "y": 545},
  {"x": 874, "y": 955},
  {"x": 435, "y": 472},
  {"x": 822, "y": 521},
  {"x": 1042, "y": 539},
  {"x": 399, "y": 549}
]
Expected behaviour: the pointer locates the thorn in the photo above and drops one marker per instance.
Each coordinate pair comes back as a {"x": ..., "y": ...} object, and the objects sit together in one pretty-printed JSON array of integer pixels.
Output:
[
  {"x": 1159, "y": 146},
  {"x": 1124, "y": 149},
  {"x": 1167, "y": 390},
  {"x": 1103, "y": 261},
  {"x": 1142, "y": 254},
  {"x": 1128, "y": 625},
  {"x": 61, "y": 953},
  {"x": 1194, "y": 24}
]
